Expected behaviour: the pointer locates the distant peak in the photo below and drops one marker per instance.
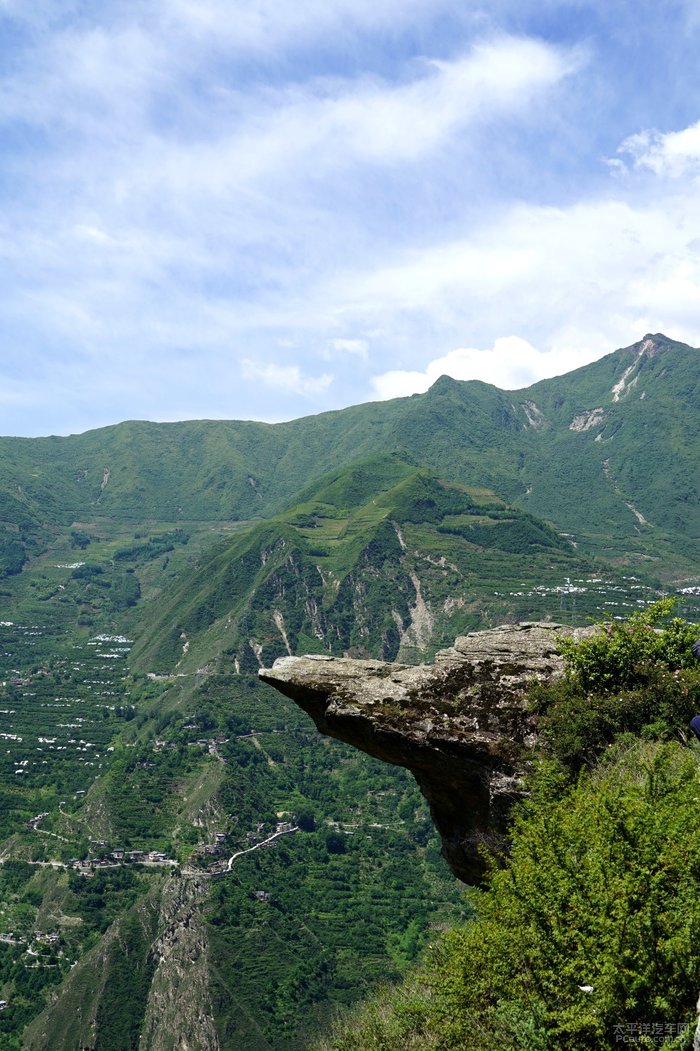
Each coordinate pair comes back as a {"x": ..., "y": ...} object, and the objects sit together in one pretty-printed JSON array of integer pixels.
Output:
[
  {"x": 443, "y": 384},
  {"x": 646, "y": 349},
  {"x": 656, "y": 337},
  {"x": 651, "y": 344}
]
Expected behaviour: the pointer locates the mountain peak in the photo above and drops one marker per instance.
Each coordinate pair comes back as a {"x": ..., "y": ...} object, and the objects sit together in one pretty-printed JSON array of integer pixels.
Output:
[
  {"x": 655, "y": 340},
  {"x": 652, "y": 343},
  {"x": 444, "y": 384}
]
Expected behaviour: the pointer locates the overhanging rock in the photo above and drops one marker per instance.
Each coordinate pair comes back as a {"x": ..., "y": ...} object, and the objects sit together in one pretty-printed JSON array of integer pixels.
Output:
[{"x": 459, "y": 725}]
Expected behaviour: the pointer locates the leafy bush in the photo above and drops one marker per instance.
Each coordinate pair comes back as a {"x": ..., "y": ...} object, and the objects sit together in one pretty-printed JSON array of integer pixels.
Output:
[
  {"x": 588, "y": 929},
  {"x": 13, "y": 556},
  {"x": 627, "y": 653},
  {"x": 630, "y": 677},
  {"x": 519, "y": 535},
  {"x": 87, "y": 571},
  {"x": 397, "y": 1017},
  {"x": 591, "y": 924}
]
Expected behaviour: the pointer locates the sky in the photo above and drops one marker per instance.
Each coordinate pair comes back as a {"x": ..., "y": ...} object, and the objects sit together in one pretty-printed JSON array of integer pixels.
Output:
[{"x": 266, "y": 209}]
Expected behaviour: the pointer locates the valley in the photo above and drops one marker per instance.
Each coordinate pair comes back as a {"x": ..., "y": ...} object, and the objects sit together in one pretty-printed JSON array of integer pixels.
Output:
[{"x": 176, "y": 831}]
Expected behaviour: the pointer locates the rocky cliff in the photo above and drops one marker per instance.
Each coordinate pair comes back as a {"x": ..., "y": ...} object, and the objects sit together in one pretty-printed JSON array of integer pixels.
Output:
[
  {"x": 179, "y": 1011},
  {"x": 145, "y": 984},
  {"x": 459, "y": 725}
]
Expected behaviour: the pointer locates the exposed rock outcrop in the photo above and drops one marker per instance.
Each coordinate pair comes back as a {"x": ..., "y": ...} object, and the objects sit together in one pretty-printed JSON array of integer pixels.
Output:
[
  {"x": 459, "y": 725},
  {"x": 179, "y": 1012}
]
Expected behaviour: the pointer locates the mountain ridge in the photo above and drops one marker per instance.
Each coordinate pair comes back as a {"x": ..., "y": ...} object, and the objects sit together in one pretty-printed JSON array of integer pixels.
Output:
[
  {"x": 543, "y": 449},
  {"x": 373, "y": 555},
  {"x": 157, "y": 567}
]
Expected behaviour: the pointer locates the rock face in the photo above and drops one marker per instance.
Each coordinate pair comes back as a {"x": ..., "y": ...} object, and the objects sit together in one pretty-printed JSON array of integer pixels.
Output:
[
  {"x": 179, "y": 1013},
  {"x": 459, "y": 725},
  {"x": 173, "y": 955}
]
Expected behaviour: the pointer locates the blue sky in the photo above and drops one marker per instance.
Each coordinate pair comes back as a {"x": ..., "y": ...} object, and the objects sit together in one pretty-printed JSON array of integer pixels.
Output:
[{"x": 263, "y": 209}]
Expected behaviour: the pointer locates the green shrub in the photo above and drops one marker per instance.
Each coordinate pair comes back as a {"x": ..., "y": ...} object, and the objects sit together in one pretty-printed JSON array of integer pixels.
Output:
[
  {"x": 591, "y": 923},
  {"x": 625, "y": 654},
  {"x": 587, "y": 930},
  {"x": 630, "y": 677}
]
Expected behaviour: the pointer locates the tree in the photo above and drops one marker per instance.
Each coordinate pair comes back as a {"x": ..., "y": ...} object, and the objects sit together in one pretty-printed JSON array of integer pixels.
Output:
[
  {"x": 335, "y": 843},
  {"x": 592, "y": 921}
]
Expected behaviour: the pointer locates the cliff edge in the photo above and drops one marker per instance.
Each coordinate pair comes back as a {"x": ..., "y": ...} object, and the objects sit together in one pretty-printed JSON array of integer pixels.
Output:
[{"x": 459, "y": 725}]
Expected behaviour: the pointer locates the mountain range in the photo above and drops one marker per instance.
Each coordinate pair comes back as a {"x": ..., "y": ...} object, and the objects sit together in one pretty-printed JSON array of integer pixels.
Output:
[
  {"x": 620, "y": 435},
  {"x": 168, "y": 562}
]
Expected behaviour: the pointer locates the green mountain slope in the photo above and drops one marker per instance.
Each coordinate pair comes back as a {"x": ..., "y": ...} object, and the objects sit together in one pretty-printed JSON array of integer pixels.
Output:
[
  {"x": 621, "y": 436},
  {"x": 381, "y": 558},
  {"x": 214, "y": 547},
  {"x": 616, "y": 439}
]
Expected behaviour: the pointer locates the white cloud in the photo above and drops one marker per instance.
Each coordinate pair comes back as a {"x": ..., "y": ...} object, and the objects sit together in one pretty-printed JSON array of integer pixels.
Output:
[
  {"x": 231, "y": 168},
  {"x": 590, "y": 278},
  {"x": 117, "y": 235},
  {"x": 674, "y": 153},
  {"x": 295, "y": 135},
  {"x": 384, "y": 123},
  {"x": 510, "y": 364},
  {"x": 286, "y": 377},
  {"x": 95, "y": 82}
]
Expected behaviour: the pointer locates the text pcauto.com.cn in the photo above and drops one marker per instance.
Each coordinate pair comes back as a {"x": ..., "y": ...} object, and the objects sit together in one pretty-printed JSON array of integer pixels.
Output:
[{"x": 645, "y": 1032}]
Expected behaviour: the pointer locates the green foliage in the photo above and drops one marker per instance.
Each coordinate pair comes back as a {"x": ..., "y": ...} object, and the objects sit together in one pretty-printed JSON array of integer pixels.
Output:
[
  {"x": 130, "y": 964},
  {"x": 521, "y": 534},
  {"x": 87, "y": 572},
  {"x": 13, "y": 554},
  {"x": 397, "y": 1018},
  {"x": 423, "y": 498},
  {"x": 624, "y": 654},
  {"x": 100, "y": 899},
  {"x": 629, "y": 677},
  {"x": 154, "y": 547},
  {"x": 14, "y": 874},
  {"x": 589, "y": 925},
  {"x": 139, "y": 792},
  {"x": 600, "y": 890},
  {"x": 335, "y": 843},
  {"x": 306, "y": 819},
  {"x": 350, "y": 487}
]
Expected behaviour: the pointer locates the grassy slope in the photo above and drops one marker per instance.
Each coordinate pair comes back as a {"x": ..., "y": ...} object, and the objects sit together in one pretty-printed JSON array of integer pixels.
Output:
[
  {"x": 644, "y": 453},
  {"x": 377, "y": 556},
  {"x": 469, "y": 432}
]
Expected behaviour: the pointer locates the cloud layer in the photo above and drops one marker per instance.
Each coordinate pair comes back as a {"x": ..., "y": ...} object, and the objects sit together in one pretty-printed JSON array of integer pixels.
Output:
[
  {"x": 264, "y": 209},
  {"x": 512, "y": 363}
]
